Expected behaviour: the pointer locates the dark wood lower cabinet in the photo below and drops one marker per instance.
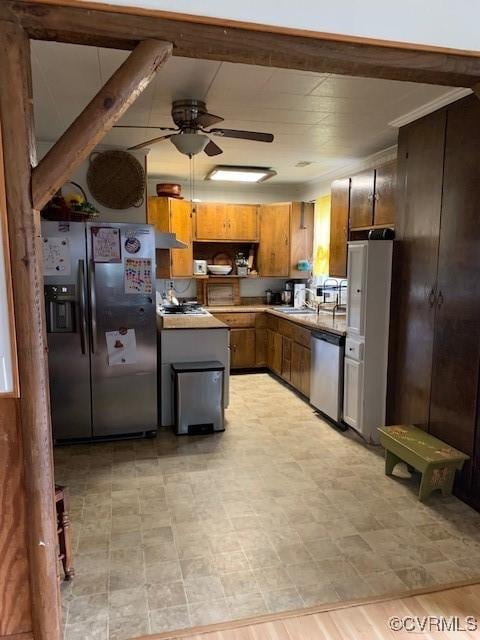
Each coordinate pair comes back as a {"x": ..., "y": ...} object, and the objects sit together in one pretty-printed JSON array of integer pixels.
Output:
[
  {"x": 434, "y": 362},
  {"x": 242, "y": 348},
  {"x": 300, "y": 374},
  {"x": 274, "y": 351},
  {"x": 286, "y": 359}
]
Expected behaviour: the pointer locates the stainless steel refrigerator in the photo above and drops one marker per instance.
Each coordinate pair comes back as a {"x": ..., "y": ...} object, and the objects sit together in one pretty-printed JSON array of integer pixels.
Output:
[{"x": 99, "y": 283}]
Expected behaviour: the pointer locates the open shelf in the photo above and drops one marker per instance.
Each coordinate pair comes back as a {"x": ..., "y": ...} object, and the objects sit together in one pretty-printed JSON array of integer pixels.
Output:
[{"x": 211, "y": 276}]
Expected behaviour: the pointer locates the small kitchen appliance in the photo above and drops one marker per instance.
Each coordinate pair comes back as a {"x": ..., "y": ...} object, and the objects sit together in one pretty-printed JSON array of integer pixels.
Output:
[
  {"x": 199, "y": 267},
  {"x": 299, "y": 295}
]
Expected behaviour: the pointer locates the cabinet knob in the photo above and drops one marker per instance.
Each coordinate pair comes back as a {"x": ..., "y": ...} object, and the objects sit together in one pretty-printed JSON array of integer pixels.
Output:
[
  {"x": 440, "y": 299},
  {"x": 431, "y": 297},
  {"x": 359, "y": 291}
]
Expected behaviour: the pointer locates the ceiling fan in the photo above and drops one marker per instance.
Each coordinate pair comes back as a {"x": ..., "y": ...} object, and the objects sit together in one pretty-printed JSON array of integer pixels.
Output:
[{"x": 189, "y": 137}]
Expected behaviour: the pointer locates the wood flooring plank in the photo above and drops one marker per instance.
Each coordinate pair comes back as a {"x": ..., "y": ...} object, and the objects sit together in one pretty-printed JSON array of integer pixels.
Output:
[{"x": 359, "y": 622}]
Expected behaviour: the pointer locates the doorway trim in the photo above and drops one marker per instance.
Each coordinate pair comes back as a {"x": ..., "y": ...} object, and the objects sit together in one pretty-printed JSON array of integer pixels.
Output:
[{"x": 75, "y": 22}]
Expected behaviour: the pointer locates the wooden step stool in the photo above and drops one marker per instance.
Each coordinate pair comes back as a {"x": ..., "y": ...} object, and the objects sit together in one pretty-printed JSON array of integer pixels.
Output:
[
  {"x": 436, "y": 461},
  {"x": 65, "y": 554}
]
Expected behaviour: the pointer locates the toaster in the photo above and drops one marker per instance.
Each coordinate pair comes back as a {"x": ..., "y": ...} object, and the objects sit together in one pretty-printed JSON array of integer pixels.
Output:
[{"x": 199, "y": 267}]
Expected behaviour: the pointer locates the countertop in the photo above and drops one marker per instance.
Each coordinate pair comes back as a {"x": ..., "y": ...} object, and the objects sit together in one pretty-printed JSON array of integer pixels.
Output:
[
  {"x": 188, "y": 322},
  {"x": 321, "y": 321}
]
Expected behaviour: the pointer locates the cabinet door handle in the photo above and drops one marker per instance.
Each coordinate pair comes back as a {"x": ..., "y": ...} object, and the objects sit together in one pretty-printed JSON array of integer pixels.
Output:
[
  {"x": 440, "y": 299},
  {"x": 431, "y": 297},
  {"x": 359, "y": 291}
]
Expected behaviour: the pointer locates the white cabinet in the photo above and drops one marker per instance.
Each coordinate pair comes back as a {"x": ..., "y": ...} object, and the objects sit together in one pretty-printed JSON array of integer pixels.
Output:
[
  {"x": 366, "y": 349},
  {"x": 353, "y": 393},
  {"x": 357, "y": 268}
]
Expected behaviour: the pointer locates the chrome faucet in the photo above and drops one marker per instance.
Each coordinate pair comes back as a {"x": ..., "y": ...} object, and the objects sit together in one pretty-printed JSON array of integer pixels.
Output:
[{"x": 325, "y": 283}]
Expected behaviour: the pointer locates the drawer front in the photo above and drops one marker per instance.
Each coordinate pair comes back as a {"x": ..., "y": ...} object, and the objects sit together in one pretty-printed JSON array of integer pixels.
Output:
[
  {"x": 302, "y": 336},
  {"x": 272, "y": 322},
  {"x": 235, "y": 320},
  {"x": 261, "y": 320},
  {"x": 295, "y": 332},
  {"x": 354, "y": 349},
  {"x": 287, "y": 329}
]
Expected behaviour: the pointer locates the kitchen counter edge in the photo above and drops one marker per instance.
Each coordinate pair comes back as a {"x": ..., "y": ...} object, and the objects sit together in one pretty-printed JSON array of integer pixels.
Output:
[{"x": 324, "y": 321}]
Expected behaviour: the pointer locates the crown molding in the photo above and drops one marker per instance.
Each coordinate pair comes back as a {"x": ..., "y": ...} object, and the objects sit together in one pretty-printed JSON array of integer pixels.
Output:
[
  {"x": 430, "y": 107},
  {"x": 321, "y": 186}
]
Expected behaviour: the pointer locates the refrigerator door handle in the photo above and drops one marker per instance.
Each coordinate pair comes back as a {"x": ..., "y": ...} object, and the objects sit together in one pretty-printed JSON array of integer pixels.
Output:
[
  {"x": 93, "y": 306},
  {"x": 82, "y": 309}
]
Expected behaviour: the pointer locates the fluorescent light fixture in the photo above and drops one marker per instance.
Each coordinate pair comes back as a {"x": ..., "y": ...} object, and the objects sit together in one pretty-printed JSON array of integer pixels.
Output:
[{"x": 240, "y": 174}]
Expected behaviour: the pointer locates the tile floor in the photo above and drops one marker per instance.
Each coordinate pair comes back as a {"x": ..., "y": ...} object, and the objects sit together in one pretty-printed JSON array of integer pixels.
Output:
[{"x": 279, "y": 512}]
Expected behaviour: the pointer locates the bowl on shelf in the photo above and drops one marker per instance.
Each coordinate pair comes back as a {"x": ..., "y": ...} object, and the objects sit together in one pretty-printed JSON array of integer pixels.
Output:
[{"x": 219, "y": 269}]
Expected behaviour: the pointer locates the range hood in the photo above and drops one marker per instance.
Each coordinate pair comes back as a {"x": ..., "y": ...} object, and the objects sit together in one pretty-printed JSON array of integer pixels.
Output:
[{"x": 168, "y": 241}]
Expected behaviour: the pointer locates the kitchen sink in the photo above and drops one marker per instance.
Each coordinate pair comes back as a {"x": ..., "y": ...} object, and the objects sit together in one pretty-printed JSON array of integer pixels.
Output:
[{"x": 292, "y": 311}]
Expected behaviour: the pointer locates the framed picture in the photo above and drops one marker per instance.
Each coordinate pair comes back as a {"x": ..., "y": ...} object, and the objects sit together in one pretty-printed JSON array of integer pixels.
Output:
[{"x": 106, "y": 244}]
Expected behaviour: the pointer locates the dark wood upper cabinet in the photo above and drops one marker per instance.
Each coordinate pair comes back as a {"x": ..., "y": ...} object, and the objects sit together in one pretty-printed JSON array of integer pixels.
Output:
[
  {"x": 362, "y": 192},
  {"x": 385, "y": 187},
  {"x": 340, "y": 204},
  {"x": 419, "y": 199},
  {"x": 434, "y": 358},
  {"x": 456, "y": 354}
]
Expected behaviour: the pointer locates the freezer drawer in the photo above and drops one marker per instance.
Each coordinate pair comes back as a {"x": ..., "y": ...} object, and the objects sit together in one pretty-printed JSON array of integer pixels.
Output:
[{"x": 326, "y": 379}]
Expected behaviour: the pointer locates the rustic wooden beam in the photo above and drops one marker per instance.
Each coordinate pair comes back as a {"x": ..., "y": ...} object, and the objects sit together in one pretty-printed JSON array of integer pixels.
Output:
[
  {"x": 25, "y": 252},
  {"x": 98, "y": 117},
  {"x": 211, "y": 39}
]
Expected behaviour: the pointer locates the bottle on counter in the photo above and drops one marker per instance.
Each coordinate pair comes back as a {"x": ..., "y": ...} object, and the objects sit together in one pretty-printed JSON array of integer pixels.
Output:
[{"x": 269, "y": 296}]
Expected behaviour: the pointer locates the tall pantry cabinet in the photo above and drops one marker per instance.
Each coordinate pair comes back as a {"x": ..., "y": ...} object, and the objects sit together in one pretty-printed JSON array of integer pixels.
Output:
[{"x": 435, "y": 319}]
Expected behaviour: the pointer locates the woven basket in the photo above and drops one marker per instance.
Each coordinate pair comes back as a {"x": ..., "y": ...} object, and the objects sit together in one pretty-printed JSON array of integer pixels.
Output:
[
  {"x": 58, "y": 209},
  {"x": 116, "y": 179}
]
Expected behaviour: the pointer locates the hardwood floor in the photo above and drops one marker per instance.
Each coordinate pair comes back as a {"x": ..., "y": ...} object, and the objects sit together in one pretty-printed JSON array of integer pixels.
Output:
[{"x": 459, "y": 606}]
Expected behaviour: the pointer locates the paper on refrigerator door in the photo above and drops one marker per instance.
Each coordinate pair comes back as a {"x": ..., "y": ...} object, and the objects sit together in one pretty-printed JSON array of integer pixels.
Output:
[
  {"x": 138, "y": 275},
  {"x": 56, "y": 257},
  {"x": 121, "y": 347}
]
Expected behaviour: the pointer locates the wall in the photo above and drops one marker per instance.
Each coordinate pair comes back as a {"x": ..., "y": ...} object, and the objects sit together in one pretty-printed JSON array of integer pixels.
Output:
[
  {"x": 441, "y": 23},
  {"x": 209, "y": 191},
  {"x": 133, "y": 214},
  {"x": 321, "y": 241}
]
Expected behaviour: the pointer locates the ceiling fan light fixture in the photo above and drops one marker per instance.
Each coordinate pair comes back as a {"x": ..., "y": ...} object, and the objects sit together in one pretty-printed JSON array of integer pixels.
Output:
[
  {"x": 240, "y": 174},
  {"x": 190, "y": 144}
]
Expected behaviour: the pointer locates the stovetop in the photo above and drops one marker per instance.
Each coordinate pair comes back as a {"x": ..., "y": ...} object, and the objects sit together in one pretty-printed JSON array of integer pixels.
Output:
[{"x": 184, "y": 309}]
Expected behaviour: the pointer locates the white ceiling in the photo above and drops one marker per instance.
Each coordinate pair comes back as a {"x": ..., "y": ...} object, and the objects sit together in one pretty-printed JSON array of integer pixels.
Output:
[{"x": 324, "y": 119}]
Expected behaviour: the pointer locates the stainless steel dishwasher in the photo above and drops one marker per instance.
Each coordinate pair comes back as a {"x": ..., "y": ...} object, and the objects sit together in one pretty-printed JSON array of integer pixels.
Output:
[{"x": 326, "y": 376}]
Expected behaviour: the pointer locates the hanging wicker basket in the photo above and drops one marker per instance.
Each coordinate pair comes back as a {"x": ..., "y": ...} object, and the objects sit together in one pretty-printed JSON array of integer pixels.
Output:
[
  {"x": 116, "y": 179},
  {"x": 72, "y": 208}
]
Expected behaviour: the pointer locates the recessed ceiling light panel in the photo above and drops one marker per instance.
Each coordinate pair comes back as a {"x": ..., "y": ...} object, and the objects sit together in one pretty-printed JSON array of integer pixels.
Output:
[{"x": 240, "y": 174}]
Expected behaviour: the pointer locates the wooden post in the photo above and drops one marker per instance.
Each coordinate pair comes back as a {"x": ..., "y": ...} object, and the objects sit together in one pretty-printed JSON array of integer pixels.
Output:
[
  {"x": 24, "y": 235},
  {"x": 98, "y": 117}
]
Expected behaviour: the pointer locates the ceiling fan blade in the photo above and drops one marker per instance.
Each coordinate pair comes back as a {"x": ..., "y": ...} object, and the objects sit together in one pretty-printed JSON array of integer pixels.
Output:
[
  {"x": 212, "y": 149},
  {"x": 136, "y": 126},
  {"x": 147, "y": 143},
  {"x": 208, "y": 119},
  {"x": 244, "y": 135}
]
